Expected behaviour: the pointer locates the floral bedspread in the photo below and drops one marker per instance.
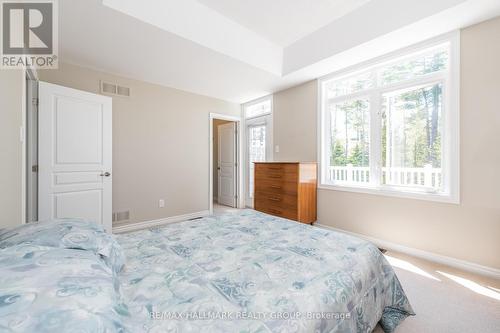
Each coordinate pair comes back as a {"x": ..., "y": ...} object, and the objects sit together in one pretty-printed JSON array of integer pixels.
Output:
[
  {"x": 48, "y": 289},
  {"x": 252, "y": 272}
]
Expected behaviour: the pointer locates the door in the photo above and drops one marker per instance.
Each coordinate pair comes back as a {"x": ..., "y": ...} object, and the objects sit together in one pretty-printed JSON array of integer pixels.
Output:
[
  {"x": 259, "y": 149},
  {"x": 227, "y": 164},
  {"x": 75, "y": 155}
]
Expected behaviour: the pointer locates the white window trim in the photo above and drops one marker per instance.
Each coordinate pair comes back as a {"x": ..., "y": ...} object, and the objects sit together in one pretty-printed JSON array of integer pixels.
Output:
[{"x": 451, "y": 123}]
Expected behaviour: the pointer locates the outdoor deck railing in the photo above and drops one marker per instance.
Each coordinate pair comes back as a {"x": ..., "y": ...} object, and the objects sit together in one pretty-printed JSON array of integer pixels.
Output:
[{"x": 424, "y": 177}]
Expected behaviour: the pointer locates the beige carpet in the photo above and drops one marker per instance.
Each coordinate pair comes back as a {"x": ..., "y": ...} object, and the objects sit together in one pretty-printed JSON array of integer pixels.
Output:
[{"x": 442, "y": 302}]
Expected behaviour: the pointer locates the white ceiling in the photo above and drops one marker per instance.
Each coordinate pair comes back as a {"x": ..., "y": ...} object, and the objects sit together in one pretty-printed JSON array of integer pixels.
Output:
[
  {"x": 225, "y": 50},
  {"x": 283, "y": 21}
]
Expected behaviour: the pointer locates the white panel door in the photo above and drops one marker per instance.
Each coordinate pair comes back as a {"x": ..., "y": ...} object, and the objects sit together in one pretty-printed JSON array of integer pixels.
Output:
[
  {"x": 227, "y": 164},
  {"x": 75, "y": 155}
]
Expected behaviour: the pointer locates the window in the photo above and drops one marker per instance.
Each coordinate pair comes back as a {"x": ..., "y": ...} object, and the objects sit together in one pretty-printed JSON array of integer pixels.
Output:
[
  {"x": 258, "y": 124},
  {"x": 258, "y": 109},
  {"x": 391, "y": 127}
]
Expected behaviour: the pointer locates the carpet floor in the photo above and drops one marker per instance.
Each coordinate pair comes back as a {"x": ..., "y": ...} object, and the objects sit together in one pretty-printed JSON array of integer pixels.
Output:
[{"x": 445, "y": 299}]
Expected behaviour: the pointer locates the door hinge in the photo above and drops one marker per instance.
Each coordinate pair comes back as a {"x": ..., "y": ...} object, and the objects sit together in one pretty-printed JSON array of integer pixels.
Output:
[
  {"x": 34, "y": 168},
  {"x": 35, "y": 101}
]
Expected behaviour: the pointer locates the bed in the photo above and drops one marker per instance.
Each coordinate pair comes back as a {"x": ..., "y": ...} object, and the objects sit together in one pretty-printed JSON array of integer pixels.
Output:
[{"x": 236, "y": 272}]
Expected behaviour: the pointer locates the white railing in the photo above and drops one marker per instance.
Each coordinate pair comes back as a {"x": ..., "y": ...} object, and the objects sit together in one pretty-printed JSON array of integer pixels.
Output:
[
  {"x": 424, "y": 177},
  {"x": 350, "y": 174}
]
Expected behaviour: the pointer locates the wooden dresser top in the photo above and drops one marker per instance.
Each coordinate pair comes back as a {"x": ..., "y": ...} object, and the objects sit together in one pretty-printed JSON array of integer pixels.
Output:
[{"x": 285, "y": 162}]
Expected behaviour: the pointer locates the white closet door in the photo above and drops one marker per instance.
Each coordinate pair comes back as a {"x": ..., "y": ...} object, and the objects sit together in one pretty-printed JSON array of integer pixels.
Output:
[{"x": 75, "y": 155}]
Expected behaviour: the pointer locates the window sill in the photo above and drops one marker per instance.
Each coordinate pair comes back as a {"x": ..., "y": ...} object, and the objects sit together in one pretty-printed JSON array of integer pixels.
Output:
[{"x": 416, "y": 195}]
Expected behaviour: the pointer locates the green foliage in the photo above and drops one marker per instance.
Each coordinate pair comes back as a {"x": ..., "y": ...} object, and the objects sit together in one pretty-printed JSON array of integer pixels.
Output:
[
  {"x": 338, "y": 154},
  {"x": 359, "y": 157},
  {"x": 418, "y": 141},
  {"x": 353, "y": 148},
  {"x": 413, "y": 139}
]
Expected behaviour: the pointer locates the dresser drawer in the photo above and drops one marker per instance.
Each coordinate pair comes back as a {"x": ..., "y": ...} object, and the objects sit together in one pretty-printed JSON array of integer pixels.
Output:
[
  {"x": 273, "y": 208},
  {"x": 283, "y": 200},
  {"x": 278, "y": 186},
  {"x": 276, "y": 171}
]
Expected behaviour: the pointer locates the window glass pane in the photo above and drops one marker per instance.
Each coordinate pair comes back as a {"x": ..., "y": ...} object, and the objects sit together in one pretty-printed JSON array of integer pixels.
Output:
[
  {"x": 256, "y": 152},
  {"x": 412, "y": 68},
  {"x": 350, "y": 142},
  {"x": 411, "y": 137},
  {"x": 258, "y": 109},
  {"x": 349, "y": 85}
]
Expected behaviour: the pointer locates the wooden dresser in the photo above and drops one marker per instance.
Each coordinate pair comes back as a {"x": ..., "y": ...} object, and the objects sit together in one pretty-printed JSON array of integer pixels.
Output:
[{"x": 286, "y": 189}]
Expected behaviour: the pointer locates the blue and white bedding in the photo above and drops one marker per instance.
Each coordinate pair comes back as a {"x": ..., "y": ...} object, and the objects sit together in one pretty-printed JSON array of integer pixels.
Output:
[
  {"x": 68, "y": 234},
  {"x": 238, "y": 272},
  {"x": 46, "y": 290}
]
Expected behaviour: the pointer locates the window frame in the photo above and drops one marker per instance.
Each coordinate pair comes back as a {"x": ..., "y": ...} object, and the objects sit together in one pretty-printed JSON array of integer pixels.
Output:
[
  {"x": 450, "y": 119},
  {"x": 255, "y": 102}
]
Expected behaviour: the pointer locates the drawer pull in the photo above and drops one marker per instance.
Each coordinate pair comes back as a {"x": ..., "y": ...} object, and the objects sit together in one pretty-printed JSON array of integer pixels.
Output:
[
  {"x": 274, "y": 168},
  {"x": 276, "y": 187},
  {"x": 274, "y": 176},
  {"x": 275, "y": 211},
  {"x": 274, "y": 199}
]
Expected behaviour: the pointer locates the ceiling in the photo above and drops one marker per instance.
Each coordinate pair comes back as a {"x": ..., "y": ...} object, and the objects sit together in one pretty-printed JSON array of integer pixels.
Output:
[
  {"x": 239, "y": 50},
  {"x": 283, "y": 21}
]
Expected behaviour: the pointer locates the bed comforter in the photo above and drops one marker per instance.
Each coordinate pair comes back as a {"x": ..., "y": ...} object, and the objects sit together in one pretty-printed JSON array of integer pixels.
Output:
[
  {"x": 252, "y": 272},
  {"x": 238, "y": 272}
]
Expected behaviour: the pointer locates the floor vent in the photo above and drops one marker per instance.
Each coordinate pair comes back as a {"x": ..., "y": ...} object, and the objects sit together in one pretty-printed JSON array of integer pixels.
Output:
[{"x": 114, "y": 89}]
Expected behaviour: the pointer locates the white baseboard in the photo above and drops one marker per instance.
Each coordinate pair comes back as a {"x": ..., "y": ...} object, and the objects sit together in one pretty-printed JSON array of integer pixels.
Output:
[
  {"x": 155, "y": 223},
  {"x": 437, "y": 258}
]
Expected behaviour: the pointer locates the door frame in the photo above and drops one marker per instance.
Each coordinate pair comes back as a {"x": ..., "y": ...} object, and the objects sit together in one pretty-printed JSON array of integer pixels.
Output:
[
  {"x": 239, "y": 159},
  {"x": 31, "y": 148},
  {"x": 268, "y": 120},
  {"x": 234, "y": 165},
  {"x": 29, "y": 74}
]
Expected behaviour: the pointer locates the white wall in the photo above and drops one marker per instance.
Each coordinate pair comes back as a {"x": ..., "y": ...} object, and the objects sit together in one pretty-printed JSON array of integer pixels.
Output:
[
  {"x": 11, "y": 118},
  {"x": 469, "y": 231},
  {"x": 160, "y": 143}
]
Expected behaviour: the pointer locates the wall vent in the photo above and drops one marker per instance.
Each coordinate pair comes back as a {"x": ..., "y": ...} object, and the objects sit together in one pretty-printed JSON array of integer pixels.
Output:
[
  {"x": 121, "y": 216},
  {"x": 114, "y": 89},
  {"x": 123, "y": 91}
]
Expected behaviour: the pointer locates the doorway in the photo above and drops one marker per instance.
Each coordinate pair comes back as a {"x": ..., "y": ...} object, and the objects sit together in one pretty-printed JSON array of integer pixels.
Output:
[
  {"x": 224, "y": 162},
  {"x": 259, "y": 139}
]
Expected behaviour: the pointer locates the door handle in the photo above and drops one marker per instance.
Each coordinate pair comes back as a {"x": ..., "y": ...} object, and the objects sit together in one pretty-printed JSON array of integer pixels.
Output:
[{"x": 106, "y": 174}]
